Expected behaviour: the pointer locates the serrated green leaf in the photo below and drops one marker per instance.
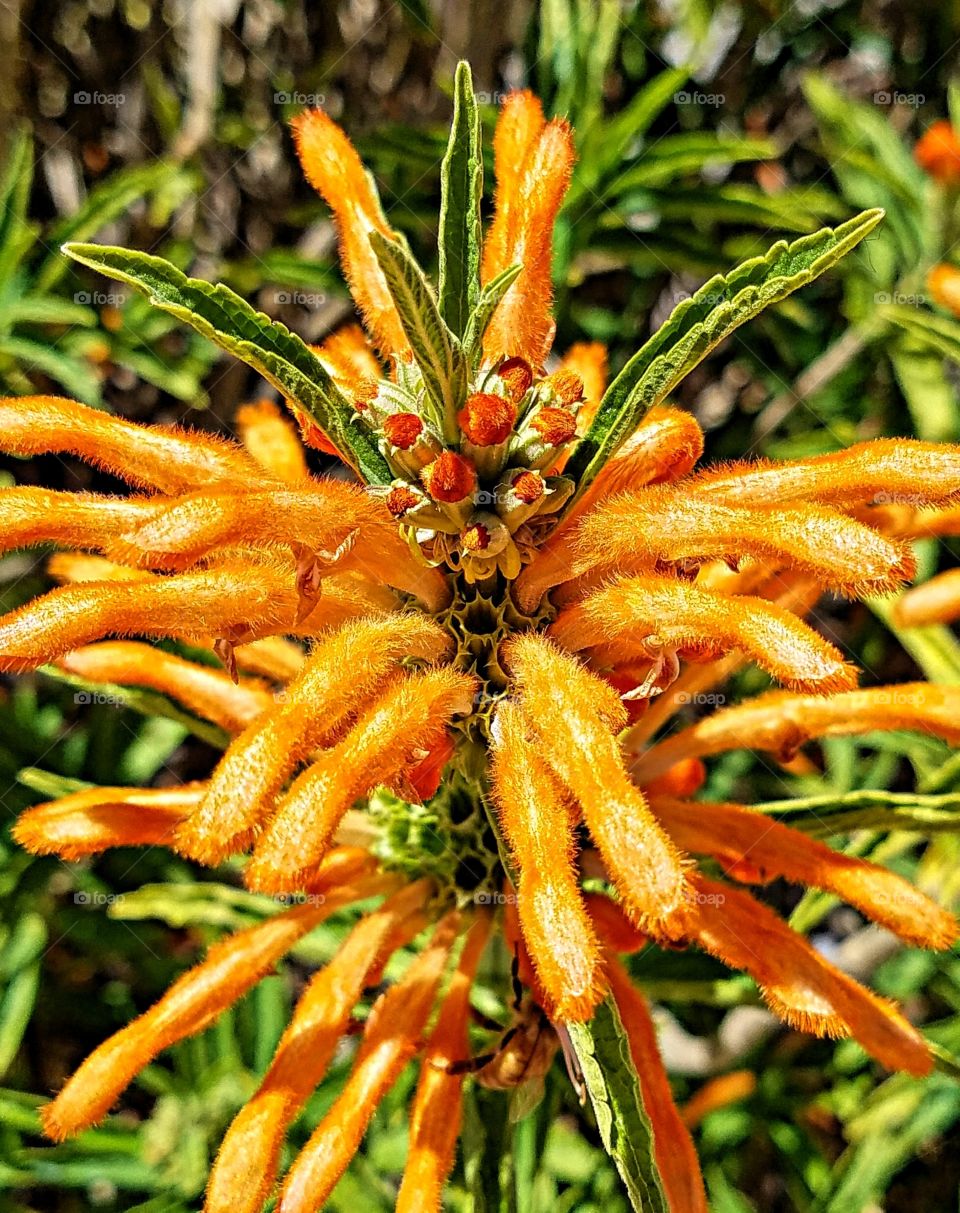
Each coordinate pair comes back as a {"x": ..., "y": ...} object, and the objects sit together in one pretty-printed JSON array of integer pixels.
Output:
[
  {"x": 436, "y": 350},
  {"x": 482, "y": 314},
  {"x": 603, "y": 1051},
  {"x": 698, "y": 325},
  {"x": 220, "y": 315},
  {"x": 461, "y": 188}
]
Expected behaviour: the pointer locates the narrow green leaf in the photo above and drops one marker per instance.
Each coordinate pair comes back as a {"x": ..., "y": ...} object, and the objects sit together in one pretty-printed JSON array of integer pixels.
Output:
[
  {"x": 698, "y": 325},
  {"x": 603, "y": 1051},
  {"x": 482, "y": 314},
  {"x": 437, "y": 352},
  {"x": 220, "y": 315},
  {"x": 941, "y": 333},
  {"x": 101, "y": 206},
  {"x": 461, "y": 188},
  {"x": 830, "y": 813},
  {"x": 16, "y": 235}
]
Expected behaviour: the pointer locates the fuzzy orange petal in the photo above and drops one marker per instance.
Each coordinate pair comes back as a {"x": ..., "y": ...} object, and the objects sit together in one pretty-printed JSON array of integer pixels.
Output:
[
  {"x": 570, "y": 711},
  {"x": 755, "y": 848},
  {"x": 204, "y": 691},
  {"x": 668, "y": 523},
  {"x": 518, "y": 128},
  {"x": 795, "y": 981},
  {"x": 781, "y": 722},
  {"x": 391, "y": 1038},
  {"x": 332, "y": 166},
  {"x": 887, "y": 469},
  {"x": 84, "y": 823},
  {"x": 644, "y": 615},
  {"x": 169, "y": 460},
  {"x": 522, "y": 325},
  {"x": 409, "y": 715},
  {"x": 437, "y": 1111},
  {"x": 230, "y": 969},
  {"x": 538, "y": 826},
  {"x": 338, "y": 676},
  {"x": 249, "y": 1156}
]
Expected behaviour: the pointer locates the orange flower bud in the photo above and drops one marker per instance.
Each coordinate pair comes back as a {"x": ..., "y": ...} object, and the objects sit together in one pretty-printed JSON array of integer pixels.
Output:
[
  {"x": 402, "y": 429},
  {"x": 516, "y": 376},
  {"x": 450, "y": 477},
  {"x": 487, "y": 419},
  {"x": 555, "y": 425},
  {"x": 566, "y": 386}
]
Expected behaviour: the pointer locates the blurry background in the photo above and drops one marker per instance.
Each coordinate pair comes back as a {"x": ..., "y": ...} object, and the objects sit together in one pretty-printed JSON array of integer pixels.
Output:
[{"x": 705, "y": 132}]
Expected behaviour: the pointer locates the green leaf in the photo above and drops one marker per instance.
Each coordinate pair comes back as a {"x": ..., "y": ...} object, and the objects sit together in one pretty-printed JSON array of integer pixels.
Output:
[
  {"x": 698, "y": 325},
  {"x": 101, "y": 206},
  {"x": 941, "y": 333},
  {"x": 482, "y": 314},
  {"x": 930, "y": 397},
  {"x": 77, "y": 376},
  {"x": 933, "y": 647},
  {"x": 603, "y": 1051},
  {"x": 16, "y": 235},
  {"x": 831, "y": 813},
  {"x": 437, "y": 352},
  {"x": 220, "y": 315},
  {"x": 606, "y": 143},
  {"x": 461, "y": 188}
]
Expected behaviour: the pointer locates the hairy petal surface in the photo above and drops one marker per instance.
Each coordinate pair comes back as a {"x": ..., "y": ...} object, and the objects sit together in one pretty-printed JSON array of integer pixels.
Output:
[{"x": 538, "y": 825}]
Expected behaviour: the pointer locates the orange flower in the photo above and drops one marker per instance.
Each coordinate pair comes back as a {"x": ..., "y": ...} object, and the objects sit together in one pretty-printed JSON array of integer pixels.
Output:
[
  {"x": 468, "y": 616},
  {"x": 937, "y": 151},
  {"x": 944, "y": 283}
]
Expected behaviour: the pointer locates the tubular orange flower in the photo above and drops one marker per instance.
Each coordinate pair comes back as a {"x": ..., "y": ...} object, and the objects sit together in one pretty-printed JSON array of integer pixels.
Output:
[
  {"x": 333, "y": 168},
  {"x": 247, "y": 1163},
  {"x": 188, "y": 1007},
  {"x": 528, "y": 556},
  {"x": 436, "y": 1113},
  {"x": 538, "y": 826},
  {"x": 271, "y": 441},
  {"x": 389, "y": 1041}
]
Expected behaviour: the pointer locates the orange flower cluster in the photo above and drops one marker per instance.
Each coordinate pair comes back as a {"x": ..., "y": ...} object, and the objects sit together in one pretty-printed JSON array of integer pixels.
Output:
[{"x": 460, "y": 630}]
